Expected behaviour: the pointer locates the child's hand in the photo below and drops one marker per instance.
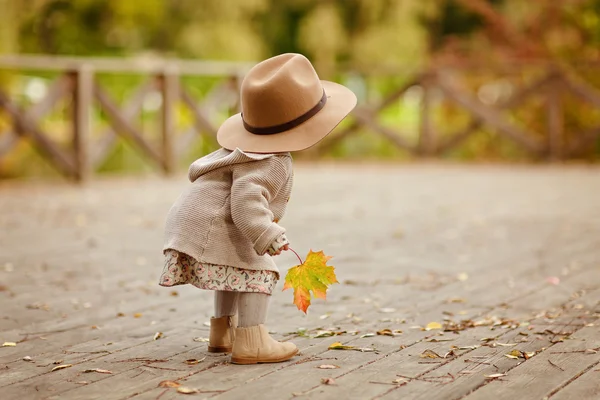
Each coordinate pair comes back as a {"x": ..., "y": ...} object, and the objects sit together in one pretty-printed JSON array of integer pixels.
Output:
[{"x": 284, "y": 248}]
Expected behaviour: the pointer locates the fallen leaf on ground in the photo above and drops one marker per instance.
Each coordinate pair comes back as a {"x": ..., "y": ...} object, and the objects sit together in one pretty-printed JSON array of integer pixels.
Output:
[
  {"x": 98, "y": 370},
  {"x": 365, "y": 349},
  {"x": 385, "y": 332},
  {"x": 433, "y": 325},
  {"x": 313, "y": 275},
  {"x": 192, "y": 361},
  {"x": 157, "y": 335},
  {"x": 399, "y": 380},
  {"x": 59, "y": 367},
  {"x": 449, "y": 354},
  {"x": 174, "y": 293},
  {"x": 200, "y": 339},
  {"x": 429, "y": 354},
  {"x": 506, "y": 344},
  {"x": 328, "y": 381},
  {"x": 516, "y": 354},
  {"x": 465, "y": 347},
  {"x": 435, "y": 340},
  {"x": 340, "y": 346},
  {"x": 494, "y": 376},
  {"x": 327, "y": 366},
  {"x": 120, "y": 314},
  {"x": 27, "y": 358},
  {"x": 367, "y": 335},
  {"x": 456, "y": 300},
  {"x": 137, "y": 315},
  {"x": 169, "y": 384},
  {"x": 9, "y": 344},
  {"x": 322, "y": 334},
  {"x": 38, "y": 306},
  {"x": 186, "y": 390}
]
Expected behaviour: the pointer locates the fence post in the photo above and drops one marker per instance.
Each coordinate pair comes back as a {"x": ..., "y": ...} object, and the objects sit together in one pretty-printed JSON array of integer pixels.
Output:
[
  {"x": 169, "y": 84},
  {"x": 427, "y": 143},
  {"x": 555, "y": 118},
  {"x": 83, "y": 87}
]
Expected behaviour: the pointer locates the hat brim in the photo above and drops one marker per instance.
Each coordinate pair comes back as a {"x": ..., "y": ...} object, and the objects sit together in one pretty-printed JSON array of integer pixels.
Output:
[{"x": 340, "y": 101}]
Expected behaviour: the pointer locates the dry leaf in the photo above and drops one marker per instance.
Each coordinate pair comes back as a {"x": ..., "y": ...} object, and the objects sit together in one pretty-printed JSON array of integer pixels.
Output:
[
  {"x": 27, "y": 358},
  {"x": 435, "y": 340},
  {"x": 120, "y": 314},
  {"x": 9, "y": 344},
  {"x": 494, "y": 376},
  {"x": 465, "y": 347},
  {"x": 328, "y": 381},
  {"x": 59, "y": 367},
  {"x": 200, "y": 339},
  {"x": 192, "y": 361},
  {"x": 367, "y": 335},
  {"x": 456, "y": 300},
  {"x": 506, "y": 344},
  {"x": 327, "y": 366},
  {"x": 174, "y": 293},
  {"x": 98, "y": 370},
  {"x": 168, "y": 384},
  {"x": 365, "y": 349},
  {"x": 137, "y": 315},
  {"x": 186, "y": 390},
  {"x": 429, "y": 354},
  {"x": 312, "y": 275},
  {"x": 385, "y": 332},
  {"x": 514, "y": 354},
  {"x": 340, "y": 346},
  {"x": 321, "y": 334},
  {"x": 433, "y": 325},
  {"x": 157, "y": 335}
]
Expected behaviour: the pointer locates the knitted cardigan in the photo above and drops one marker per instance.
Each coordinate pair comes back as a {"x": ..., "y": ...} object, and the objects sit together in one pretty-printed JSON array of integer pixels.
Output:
[{"x": 228, "y": 215}]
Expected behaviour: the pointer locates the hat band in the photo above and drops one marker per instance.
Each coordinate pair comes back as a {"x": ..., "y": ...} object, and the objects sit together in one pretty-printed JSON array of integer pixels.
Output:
[{"x": 271, "y": 130}]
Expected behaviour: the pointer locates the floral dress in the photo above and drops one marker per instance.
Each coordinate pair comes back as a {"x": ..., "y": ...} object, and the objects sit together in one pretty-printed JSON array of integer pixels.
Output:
[{"x": 181, "y": 269}]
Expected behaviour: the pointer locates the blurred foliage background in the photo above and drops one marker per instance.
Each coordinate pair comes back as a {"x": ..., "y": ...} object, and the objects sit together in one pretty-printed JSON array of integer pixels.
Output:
[{"x": 372, "y": 45}]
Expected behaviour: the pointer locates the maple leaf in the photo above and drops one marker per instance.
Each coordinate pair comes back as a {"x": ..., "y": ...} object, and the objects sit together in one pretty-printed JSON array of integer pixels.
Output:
[{"x": 313, "y": 275}]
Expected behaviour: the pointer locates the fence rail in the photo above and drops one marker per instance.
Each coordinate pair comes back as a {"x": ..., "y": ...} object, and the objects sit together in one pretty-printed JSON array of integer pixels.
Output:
[{"x": 77, "y": 81}]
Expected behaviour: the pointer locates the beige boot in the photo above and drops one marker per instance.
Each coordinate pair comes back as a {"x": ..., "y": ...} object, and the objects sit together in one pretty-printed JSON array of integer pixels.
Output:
[
  {"x": 254, "y": 345},
  {"x": 222, "y": 334}
]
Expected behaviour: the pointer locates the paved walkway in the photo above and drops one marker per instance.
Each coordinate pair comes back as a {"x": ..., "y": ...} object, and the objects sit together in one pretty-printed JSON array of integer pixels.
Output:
[{"x": 505, "y": 259}]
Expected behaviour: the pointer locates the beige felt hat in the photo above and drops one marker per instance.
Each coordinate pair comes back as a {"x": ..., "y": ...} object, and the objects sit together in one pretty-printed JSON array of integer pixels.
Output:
[{"x": 285, "y": 107}]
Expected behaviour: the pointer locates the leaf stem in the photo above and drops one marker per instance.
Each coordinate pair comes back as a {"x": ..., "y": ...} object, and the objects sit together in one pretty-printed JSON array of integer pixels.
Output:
[{"x": 294, "y": 251}]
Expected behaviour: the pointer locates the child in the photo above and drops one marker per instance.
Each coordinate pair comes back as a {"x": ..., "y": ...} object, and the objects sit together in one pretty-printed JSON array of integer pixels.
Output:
[{"x": 223, "y": 231}]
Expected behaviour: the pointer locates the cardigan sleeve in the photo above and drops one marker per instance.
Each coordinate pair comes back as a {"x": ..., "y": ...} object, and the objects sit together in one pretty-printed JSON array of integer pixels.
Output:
[{"x": 251, "y": 192}]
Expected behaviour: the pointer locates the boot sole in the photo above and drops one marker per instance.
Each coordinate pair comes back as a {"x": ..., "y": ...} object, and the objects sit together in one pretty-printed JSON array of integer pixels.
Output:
[
  {"x": 212, "y": 349},
  {"x": 249, "y": 361}
]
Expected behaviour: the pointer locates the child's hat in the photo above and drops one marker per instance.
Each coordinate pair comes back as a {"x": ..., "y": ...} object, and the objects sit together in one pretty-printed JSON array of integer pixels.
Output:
[{"x": 285, "y": 107}]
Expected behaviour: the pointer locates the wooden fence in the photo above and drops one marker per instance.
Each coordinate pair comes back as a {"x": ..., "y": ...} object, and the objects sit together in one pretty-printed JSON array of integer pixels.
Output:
[{"x": 77, "y": 81}]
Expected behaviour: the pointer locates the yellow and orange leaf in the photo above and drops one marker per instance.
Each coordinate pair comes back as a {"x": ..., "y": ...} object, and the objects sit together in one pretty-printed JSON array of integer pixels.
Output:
[{"x": 313, "y": 275}]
